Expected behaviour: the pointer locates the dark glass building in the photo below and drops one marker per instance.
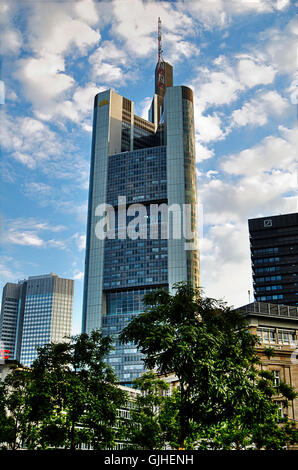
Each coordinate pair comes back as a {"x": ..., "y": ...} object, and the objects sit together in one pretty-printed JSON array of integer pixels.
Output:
[
  {"x": 141, "y": 171},
  {"x": 274, "y": 258}
]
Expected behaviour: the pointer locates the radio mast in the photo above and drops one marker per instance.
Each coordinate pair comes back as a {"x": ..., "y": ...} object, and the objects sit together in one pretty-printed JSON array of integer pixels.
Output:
[{"x": 161, "y": 64}]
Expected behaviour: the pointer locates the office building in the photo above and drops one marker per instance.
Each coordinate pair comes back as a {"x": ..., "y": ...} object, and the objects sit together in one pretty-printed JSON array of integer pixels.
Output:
[
  {"x": 35, "y": 312},
  {"x": 139, "y": 169},
  {"x": 274, "y": 258},
  {"x": 9, "y": 318}
]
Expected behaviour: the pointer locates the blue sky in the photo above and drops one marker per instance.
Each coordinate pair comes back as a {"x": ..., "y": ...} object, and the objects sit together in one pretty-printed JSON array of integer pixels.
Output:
[{"x": 240, "y": 58}]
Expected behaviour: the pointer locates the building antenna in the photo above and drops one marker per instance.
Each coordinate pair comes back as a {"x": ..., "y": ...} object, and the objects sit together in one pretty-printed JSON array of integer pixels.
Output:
[
  {"x": 161, "y": 64},
  {"x": 160, "y": 59}
]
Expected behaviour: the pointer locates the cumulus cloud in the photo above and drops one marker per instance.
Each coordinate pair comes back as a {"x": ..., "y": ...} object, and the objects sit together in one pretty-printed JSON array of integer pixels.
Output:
[
  {"x": 55, "y": 30},
  {"x": 220, "y": 13},
  {"x": 280, "y": 47},
  {"x": 225, "y": 249},
  {"x": 258, "y": 110},
  {"x": 80, "y": 241},
  {"x": 135, "y": 23},
  {"x": 273, "y": 152},
  {"x": 31, "y": 232},
  {"x": 44, "y": 79},
  {"x": 262, "y": 179},
  {"x": 258, "y": 181},
  {"x": 54, "y": 33},
  {"x": 10, "y": 270},
  {"x": 33, "y": 143},
  {"x": 252, "y": 73},
  {"x": 203, "y": 152},
  {"x": 11, "y": 41}
]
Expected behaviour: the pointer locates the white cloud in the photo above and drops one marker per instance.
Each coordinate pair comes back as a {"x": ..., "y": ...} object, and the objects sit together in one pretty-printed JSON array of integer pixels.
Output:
[
  {"x": 32, "y": 144},
  {"x": 280, "y": 47},
  {"x": 55, "y": 30},
  {"x": 144, "y": 107},
  {"x": 273, "y": 152},
  {"x": 110, "y": 64},
  {"x": 23, "y": 238},
  {"x": 258, "y": 110},
  {"x": 79, "y": 108},
  {"x": 36, "y": 146},
  {"x": 87, "y": 11},
  {"x": 135, "y": 22},
  {"x": 178, "y": 49},
  {"x": 220, "y": 13},
  {"x": 202, "y": 152},
  {"x": 41, "y": 188},
  {"x": 54, "y": 33},
  {"x": 27, "y": 232},
  {"x": 108, "y": 51},
  {"x": 225, "y": 249},
  {"x": 252, "y": 73},
  {"x": 109, "y": 73},
  {"x": 9, "y": 270},
  {"x": 44, "y": 80},
  {"x": 208, "y": 128},
  {"x": 258, "y": 180},
  {"x": 217, "y": 86},
  {"x": 11, "y": 41},
  {"x": 80, "y": 241}
]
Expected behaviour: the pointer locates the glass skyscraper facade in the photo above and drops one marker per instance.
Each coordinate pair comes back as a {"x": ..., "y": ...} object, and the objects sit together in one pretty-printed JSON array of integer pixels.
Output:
[
  {"x": 143, "y": 175},
  {"x": 42, "y": 314},
  {"x": 9, "y": 317},
  {"x": 274, "y": 258}
]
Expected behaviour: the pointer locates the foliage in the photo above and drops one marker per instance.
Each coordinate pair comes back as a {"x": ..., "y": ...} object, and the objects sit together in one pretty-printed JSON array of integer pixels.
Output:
[
  {"x": 208, "y": 347},
  {"x": 69, "y": 396},
  {"x": 143, "y": 430}
]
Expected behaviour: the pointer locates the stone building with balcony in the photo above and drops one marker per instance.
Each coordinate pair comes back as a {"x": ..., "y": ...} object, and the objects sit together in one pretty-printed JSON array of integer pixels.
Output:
[{"x": 277, "y": 328}]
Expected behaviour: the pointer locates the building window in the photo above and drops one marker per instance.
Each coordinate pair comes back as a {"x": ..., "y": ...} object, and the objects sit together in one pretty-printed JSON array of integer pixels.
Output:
[
  {"x": 280, "y": 410},
  {"x": 276, "y": 381},
  {"x": 266, "y": 335},
  {"x": 286, "y": 337}
]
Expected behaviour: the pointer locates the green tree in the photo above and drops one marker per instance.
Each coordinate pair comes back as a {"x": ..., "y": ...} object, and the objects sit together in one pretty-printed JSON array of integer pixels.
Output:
[
  {"x": 143, "y": 429},
  {"x": 78, "y": 395},
  {"x": 14, "y": 400},
  {"x": 209, "y": 349},
  {"x": 7, "y": 424},
  {"x": 67, "y": 398}
]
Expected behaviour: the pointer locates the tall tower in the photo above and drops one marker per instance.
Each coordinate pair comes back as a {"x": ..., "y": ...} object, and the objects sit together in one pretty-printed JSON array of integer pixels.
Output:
[
  {"x": 35, "y": 312},
  {"x": 142, "y": 190},
  {"x": 10, "y": 311}
]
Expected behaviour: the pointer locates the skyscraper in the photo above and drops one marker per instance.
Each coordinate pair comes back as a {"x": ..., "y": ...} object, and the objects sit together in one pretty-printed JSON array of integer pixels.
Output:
[
  {"x": 9, "y": 317},
  {"x": 274, "y": 258},
  {"x": 142, "y": 223},
  {"x": 35, "y": 312}
]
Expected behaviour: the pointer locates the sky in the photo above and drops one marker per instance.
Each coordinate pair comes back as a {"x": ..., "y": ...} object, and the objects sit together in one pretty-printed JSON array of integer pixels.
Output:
[{"x": 239, "y": 57}]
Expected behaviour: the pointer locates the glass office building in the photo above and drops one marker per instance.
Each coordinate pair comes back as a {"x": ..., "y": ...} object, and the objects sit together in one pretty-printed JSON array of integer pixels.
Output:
[
  {"x": 11, "y": 296},
  {"x": 40, "y": 312},
  {"x": 274, "y": 258},
  {"x": 142, "y": 178}
]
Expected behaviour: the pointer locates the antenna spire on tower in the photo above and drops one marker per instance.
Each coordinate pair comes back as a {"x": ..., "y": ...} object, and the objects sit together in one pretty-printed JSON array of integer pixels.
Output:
[
  {"x": 159, "y": 41},
  {"x": 161, "y": 63}
]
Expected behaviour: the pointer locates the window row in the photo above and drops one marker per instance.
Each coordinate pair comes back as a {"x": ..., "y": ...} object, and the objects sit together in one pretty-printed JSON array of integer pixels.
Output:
[{"x": 274, "y": 336}]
